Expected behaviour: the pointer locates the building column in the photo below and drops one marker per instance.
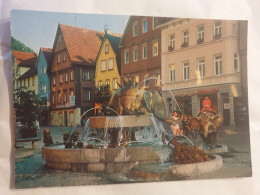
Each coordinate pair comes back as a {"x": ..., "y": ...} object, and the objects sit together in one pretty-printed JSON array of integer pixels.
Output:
[
  {"x": 220, "y": 104},
  {"x": 195, "y": 104},
  {"x": 231, "y": 110}
]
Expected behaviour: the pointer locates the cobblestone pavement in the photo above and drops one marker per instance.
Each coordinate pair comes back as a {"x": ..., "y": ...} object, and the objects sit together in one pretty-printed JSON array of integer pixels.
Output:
[{"x": 31, "y": 171}]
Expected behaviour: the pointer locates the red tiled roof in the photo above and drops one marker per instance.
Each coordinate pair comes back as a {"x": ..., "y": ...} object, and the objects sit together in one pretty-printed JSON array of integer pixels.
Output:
[
  {"x": 25, "y": 59},
  {"x": 47, "y": 52},
  {"x": 82, "y": 44}
]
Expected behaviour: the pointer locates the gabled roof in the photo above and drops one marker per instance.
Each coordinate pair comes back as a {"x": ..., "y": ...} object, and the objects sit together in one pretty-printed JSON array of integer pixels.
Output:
[
  {"x": 25, "y": 59},
  {"x": 32, "y": 71},
  {"x": 82, "y": 44},
  {"x": 47, "y": 52},
  {"x": 114, "y": 40}
]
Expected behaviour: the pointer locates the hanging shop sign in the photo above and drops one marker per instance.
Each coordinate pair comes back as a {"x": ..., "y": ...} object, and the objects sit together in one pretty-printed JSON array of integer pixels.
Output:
[{"x": 227, "y": 106}]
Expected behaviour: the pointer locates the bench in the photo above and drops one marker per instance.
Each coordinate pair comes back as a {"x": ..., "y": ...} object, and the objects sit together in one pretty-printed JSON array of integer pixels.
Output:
[{"x": 33, "y": 139}]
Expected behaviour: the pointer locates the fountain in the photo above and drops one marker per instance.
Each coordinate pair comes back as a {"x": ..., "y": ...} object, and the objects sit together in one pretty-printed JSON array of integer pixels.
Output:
[{"x": 130, "y": 140}]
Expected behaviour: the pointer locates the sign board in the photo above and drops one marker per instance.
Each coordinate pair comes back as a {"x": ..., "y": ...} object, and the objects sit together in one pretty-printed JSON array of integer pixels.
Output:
[
  {"x": 72, "y": 100},
  {"x": 227, "y": 106}
]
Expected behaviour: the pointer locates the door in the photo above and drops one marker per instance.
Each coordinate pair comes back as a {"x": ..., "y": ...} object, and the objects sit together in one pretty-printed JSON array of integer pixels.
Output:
[
  {"x": 226, "y": 111},
  {"x": 65, "y": 118}
]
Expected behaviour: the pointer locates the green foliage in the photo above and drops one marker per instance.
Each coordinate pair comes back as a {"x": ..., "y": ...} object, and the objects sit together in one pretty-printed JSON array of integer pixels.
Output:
[
  {"x": 19, "y": 46},
  {"x": 103, "y": 95},
  {"x": 28, "y": 106}
]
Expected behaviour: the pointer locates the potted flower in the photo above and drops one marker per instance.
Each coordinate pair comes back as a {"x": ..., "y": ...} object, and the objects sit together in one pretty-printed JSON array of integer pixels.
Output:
[{"x": 70, "y": 138}]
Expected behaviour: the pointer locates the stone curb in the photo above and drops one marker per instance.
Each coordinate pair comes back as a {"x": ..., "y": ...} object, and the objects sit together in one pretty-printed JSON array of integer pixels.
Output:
[{"x": 197, "y": 168}]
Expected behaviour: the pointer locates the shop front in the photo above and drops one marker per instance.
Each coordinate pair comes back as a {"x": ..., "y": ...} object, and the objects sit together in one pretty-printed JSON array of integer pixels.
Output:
[
  {"x": 223, "y": 101},
  {"x": 66, "y": 117}
]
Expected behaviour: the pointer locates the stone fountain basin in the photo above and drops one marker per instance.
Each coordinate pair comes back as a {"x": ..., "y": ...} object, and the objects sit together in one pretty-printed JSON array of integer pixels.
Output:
[
  {"x": 98, "y": 160},
  {"x": 169, "y": 171}
]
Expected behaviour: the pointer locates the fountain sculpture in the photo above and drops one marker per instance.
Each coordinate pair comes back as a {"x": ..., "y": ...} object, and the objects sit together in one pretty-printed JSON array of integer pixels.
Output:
[{"x": 130, "y": 135}]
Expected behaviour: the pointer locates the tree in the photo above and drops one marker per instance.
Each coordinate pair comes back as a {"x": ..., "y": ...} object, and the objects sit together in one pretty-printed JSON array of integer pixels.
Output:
[
  {"x": 28, "y": 109},
  {"x": 103, "y": 95}
]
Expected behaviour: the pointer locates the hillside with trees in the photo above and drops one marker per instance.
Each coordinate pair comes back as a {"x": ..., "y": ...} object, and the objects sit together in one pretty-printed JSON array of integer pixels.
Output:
[{"x": 19, "y": 46}]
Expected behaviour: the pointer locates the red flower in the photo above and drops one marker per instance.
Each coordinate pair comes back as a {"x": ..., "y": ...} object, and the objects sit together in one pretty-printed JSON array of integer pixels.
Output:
[{"x": 79, "y": 131}]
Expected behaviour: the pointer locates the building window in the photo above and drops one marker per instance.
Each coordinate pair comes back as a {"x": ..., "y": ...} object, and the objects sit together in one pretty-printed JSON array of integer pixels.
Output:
[
  {"x": 172, "y": 73},
  {"x": 200, "y": 32},
  {"x": 44, "y": 88},
  {"x": 61, "y": 78},
  {"x": 58, "y": 58},
  {"x": 71, "y": 91},
  {"x": 43, "y": 69},
  {"x": 110, "y": 64},
  {"x": 155, "y": 48},
  {"x": 33, "y": 81},
  {"x": 135, "y": 29},
  {"x": 103, "y": 65},
  {"x": 99, "y": 84},
  {"x": 236, "y": 68},
  {"x": 145, "y": 26},
  {"x": 217, "y": 29},
  {"x": 72, "y": 75},
  {"x": 64, "y": 57},
  {"x": 86, "y": 94},
  {"x": 185, "y": 41},
  {"x": 107, "y": 82},
  {"x": 171, "y": 43},
  {"x": 71, "y": 117},
  {"x": 59, "y": 97},
  {"x": 54, "y": 80},
  {"x": 115, "y": 83},
  {"x": 201, "y": 67},
  {"x": 24, "y": 84},
  {"x": 146, "y": 81},
  {"x": 135, "y": 54},
  {"x": 106, "y": 48},
  {"x": 64, "y": 95},
  {"x": 28, "y": 81},
  {"x": 155, "y": 22},
  {"x": 66, "y": 77},
  {"x": 144, "y": 52},
  {"x": 157, "y": 81},
  {"x": 218, "y": 64},
  {"x": 136, "y": 79},
  {"x": 53, "y": 98},
  {"x": 126, "y": 57},
  {"x": 85, "y": 75},
  {"x": 186, "y": 71}
]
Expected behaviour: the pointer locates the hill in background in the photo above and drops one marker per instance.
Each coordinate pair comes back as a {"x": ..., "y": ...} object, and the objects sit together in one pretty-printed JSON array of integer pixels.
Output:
[{"x": 19, "y": 46}]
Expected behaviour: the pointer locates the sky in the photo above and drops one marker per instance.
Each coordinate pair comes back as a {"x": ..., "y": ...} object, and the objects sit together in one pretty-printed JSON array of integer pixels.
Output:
[{"x": 37, "y": 29}]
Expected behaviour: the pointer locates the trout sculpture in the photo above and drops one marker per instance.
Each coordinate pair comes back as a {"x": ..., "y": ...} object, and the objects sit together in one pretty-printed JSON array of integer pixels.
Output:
[{"x": 131, "y": 99}]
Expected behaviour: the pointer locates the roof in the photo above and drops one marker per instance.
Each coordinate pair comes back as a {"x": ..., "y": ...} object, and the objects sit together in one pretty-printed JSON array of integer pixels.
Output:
[
  {"x": 47, "y": 52},
  {"x": 32, "y": 71},
  {"x": 82, "y": 44},
  {"x": 114, "y": 41},
  {"x": 25, "y": 59}
]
